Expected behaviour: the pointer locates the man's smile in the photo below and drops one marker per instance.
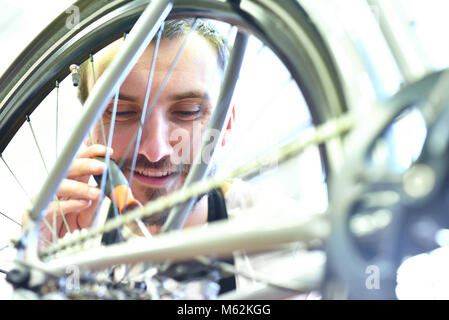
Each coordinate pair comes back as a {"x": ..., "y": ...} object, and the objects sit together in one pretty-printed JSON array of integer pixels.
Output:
[
  {"x": 154, "y": 172},
  {"x": 155, "y": 178}
]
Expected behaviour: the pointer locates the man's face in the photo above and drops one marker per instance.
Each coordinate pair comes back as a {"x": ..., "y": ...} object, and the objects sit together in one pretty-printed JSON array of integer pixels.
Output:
[{"x": 171, "y": 135}]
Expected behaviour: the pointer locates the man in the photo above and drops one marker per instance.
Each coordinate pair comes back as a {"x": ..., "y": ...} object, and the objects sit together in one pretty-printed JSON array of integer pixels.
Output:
[{"x": 183, "y": 109}]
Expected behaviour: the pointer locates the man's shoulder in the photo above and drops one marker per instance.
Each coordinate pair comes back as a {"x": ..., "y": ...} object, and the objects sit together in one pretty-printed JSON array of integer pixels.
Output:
[
  {"x": 266, "y": 201},
  {"x": 238, "y": 194}
]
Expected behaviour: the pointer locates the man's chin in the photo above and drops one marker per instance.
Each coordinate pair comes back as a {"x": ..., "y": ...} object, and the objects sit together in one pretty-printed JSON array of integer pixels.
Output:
[
  {"x": 154, "y": 230},
  {"x": 158, "y": 219},
  {"x": 136, "y": 230}
]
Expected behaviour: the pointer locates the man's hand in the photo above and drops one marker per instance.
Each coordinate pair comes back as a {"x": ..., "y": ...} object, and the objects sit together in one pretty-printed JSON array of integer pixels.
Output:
[{"x": 77, "y": 200}]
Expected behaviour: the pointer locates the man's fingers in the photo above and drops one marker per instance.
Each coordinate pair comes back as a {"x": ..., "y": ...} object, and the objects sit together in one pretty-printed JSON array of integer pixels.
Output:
[
  {"x": 77, "y": 199},
  {"x": 57, "y": 212},
  {"x": 67, "y": 207},
  {"x": 85, "y": 167},
  {"x": 96, "y": 150},
  {"x": 72, "y": 189}
]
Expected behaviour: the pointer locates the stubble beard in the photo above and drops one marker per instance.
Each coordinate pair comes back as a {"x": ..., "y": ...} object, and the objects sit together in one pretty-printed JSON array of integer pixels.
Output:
[{"x": 147, "y": 194}]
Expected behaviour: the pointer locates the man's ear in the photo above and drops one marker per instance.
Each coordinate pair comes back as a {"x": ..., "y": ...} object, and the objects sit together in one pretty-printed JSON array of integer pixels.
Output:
[{"x": 229, "y": 126}]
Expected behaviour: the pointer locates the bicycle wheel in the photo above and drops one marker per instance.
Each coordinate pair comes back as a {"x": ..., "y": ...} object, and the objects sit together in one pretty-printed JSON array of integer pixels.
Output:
[
  {"x": 285, "y": 30},
  {"x": 389, "y": 198}
]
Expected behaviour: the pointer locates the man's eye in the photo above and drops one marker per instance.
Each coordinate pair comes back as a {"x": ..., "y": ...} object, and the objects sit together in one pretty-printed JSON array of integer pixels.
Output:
[
  {"x": 187, "y": 114},
  {"x": 122, "y": 115},
  {"x": 125, "y": 113}
]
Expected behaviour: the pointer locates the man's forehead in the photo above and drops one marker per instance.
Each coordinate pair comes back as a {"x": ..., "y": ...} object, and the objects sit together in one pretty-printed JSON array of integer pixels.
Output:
[{"x": 105, "y": 56}]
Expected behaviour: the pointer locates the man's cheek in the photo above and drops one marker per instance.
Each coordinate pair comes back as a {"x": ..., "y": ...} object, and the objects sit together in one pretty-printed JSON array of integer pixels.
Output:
[{"x": 122, "y": 140}]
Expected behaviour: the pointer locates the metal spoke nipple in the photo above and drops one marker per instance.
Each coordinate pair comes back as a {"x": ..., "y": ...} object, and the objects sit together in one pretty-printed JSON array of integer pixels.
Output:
[{"x": 74, "y": 69}]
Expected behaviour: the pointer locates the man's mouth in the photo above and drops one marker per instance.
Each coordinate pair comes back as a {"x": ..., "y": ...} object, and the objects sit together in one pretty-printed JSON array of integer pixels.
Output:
[
  {"x": 153, "y": 173},
  {"x": 154, "y": 177}
]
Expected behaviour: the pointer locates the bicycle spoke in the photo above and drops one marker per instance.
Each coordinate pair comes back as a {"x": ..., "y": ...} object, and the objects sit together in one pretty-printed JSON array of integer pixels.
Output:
[
  {"x": 143, "y": 229},
  {"x": 51, "y": 228},
  {"x": 94, "y": 76},
  {"x": 10, "y": 219},
  {"x": 64, "y": 220},
  {"x": 108, "y": 154},
  {"x": 15, "y": 178},
  {"x": 139, "y": 222},
  {"x": 225, "y": 44},
  {"x": 107, "y": 159},
  {"x": 200, "y": 170},
  {"x": 145, "y": 105},
  {"x": 24, "y": 191},
  {"x": 46, "y": 169},
  {"x": 56, "y": 154},
  {"x": 57, "y": 119},
  {"x": 36, "y": 143}
]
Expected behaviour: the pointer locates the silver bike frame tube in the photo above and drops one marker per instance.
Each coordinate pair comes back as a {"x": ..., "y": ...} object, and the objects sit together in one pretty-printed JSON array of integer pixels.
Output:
[
  {"x": 139, "y": 38},
  {"x": 179, "y": 214},
  {"x": 303, "y": 282},
  {"x": 221, "y": 238},
  {"x": 403, "y": 48}
]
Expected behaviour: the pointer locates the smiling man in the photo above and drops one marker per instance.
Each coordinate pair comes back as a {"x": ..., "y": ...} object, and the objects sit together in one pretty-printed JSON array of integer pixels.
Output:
[{"x": 169, "y": 140}]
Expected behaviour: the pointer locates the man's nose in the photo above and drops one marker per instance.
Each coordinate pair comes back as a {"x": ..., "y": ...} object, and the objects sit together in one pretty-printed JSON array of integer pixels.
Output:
[{"x": 155, "y": 142}]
